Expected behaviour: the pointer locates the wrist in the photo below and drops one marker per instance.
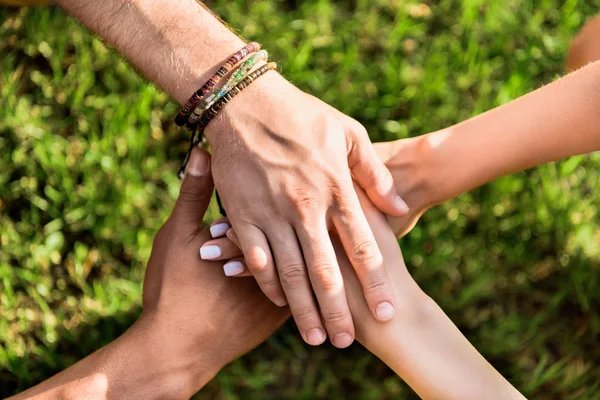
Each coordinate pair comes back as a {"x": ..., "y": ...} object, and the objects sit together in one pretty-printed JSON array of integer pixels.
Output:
[
  {"x": 393, "y": 341},
  {"x": 261, "y": 97},
  {"x": 179, "y": 368},
  {"x": 415, "y": 169}
]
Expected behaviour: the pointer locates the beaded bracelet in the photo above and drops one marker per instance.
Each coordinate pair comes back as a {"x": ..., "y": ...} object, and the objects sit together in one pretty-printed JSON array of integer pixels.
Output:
[
  {"x": 197, "y": 97},
  {"x": 218, "y": 106},
  {"x": 233, "y": 80}
]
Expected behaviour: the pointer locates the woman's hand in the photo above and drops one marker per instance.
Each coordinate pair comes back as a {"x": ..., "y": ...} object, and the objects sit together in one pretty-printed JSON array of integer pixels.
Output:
[
  {"x": 194, "y": 319},
  {"x": 202, "y": 317},
  {"x": 420, "y": 343}
]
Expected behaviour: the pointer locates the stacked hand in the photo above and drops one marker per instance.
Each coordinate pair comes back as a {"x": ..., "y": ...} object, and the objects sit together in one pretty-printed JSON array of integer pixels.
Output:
[{"x": 284, "y": 164}]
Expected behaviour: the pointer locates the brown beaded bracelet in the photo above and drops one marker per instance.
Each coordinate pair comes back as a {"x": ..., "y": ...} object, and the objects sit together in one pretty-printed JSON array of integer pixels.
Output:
[
  {"x": 209, "y": 114},
  {"x": 183, "y": 114},
  {"x": 219, "y": 105}
]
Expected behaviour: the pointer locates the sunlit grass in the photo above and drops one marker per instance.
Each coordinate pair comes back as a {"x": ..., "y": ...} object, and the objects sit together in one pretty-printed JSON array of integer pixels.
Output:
[{"x": 87, "y": 174}]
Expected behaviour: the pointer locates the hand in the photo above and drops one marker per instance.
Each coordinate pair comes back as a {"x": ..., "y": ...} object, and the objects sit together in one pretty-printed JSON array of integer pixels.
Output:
[
  {"x": 284, "y": 164},
  {"x": 199, "y": 317},
  {"x": 194, "y": 320},
  {"x": 420, "y": 344},
  {"x": 412, "y": 165}
]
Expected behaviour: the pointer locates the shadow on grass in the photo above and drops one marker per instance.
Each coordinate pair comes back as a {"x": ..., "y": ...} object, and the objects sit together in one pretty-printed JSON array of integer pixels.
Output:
[
  {"x": 282, "y": 367},
  {"x": 71, "y": 346}
]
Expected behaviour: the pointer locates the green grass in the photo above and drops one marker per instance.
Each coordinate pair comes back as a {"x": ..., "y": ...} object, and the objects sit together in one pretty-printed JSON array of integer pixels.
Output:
[{"x": 88, "y": 157}]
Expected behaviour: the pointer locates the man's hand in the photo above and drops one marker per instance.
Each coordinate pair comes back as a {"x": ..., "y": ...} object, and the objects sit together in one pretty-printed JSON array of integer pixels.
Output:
[{"x": 284, "y": 164}]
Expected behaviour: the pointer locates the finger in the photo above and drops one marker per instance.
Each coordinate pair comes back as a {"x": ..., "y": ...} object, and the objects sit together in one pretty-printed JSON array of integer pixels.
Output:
[
  {"x": 259, "y": 260},
  {"x": 327, "y": 282},
  {"x": 219, "y": 227},
  {"x": 373, "y": 176},
  {"x": 220, "y": 249},
  {"x": 237, "y": 268},
  {"x": 364, "y": 255},
  {"x": 196, "y": 191},
  {"x": 296, "y": 283},
  {"x": 233, "y": 237}
]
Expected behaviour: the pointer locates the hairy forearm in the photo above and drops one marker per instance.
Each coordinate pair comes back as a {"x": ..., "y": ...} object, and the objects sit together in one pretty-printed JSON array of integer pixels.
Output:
[
  {"x": 177, "y": 44},
  {"x": 557, "y": 121},
  {"x": 141, "y": 364}
]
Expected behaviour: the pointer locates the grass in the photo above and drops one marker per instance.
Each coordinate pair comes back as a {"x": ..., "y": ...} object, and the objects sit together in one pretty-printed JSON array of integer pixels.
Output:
[{"x": 87, "y": 174}]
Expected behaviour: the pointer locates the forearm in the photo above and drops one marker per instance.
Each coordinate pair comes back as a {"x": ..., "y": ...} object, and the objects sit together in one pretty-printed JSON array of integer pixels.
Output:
[
  {"x": 421, "y": 344},
  {"x": 557, "y": 121},
  {"x": 177, "y": 44},
  {"x": 138, "y": 365},
  {"x": 428, "y": 351}
]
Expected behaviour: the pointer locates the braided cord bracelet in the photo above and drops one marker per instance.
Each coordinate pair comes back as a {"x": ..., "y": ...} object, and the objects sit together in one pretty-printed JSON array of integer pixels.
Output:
[
  {"x": 197, "y": 97},
  {"x": 233, "y": 80},
  {"x": 209, "y": 114}
]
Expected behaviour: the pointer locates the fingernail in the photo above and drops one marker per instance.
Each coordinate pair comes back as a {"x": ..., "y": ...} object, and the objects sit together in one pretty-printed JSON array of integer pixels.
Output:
[
  {"x": 210, "y": 252},
  {"x": 219, "y": 229},
  {"x": 233, "y": 268},
  {"x": 401, "y": 204},
  {"x": 280, "y": 301},
  {"x": 315, "y": 336},
  {"x": 342, "y": 340},
  {"x": 199, "y": 163},
  {"x": 385, "y": 311}
]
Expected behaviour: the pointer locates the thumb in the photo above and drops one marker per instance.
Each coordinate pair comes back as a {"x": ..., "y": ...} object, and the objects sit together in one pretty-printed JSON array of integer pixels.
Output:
[
  {"x": 196, "y": 190},
  {"x": 374, "y": 177}
]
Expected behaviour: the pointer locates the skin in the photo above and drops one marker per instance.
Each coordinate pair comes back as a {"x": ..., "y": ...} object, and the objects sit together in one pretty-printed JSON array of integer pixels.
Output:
[
  {"x": 299, "y": 156},
  {"x": 420, "y": 344},
  {"x": 585, "y": 48},
  {"x": 437, "y": 361},
  {"x": 529, "y": 131},
  {"x": 194, "y": 320},
  {"x": 160, "y": 355}
]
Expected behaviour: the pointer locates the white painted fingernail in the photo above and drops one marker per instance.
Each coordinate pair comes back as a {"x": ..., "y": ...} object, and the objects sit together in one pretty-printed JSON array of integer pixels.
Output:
[
  {"x": 219, "y": 230},
  {"x": 233, "y": 268},
  {"x": 210, "y": 252}
]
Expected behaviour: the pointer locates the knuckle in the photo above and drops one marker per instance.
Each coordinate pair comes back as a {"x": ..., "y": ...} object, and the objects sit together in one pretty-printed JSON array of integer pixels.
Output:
[
  {"x": 269, "y": 286},
  {"x": 376, "y": 177},
  {"x": 359, "y": 130},
  {"x": 190, "y": 195},
  {"x": 336, "y": 317},
  {"x": 305, "y": 315},
  {"x": 293, "y": 275},
  {"x": 374, "y": 287},
  {"x": 325, "y": 274},
  {"x": 305, "y": 202},
  {"x": 367, "y": 255},
  {"x": 256, "y": 260}
]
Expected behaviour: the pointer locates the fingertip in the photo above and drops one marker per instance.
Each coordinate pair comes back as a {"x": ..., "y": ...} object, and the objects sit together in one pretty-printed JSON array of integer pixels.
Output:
[
  {"x": 384, "y": 311},
  {"x": 342, "y": 340},
  {"x": 279, "y": 301},
  {"x": 234, "y": 268},
  {"x": 219, "y": 229},
  {"x": 315, "y": 337},
  {"x": 401, "y": 205},
  {"x": 199, "y": 163}
]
